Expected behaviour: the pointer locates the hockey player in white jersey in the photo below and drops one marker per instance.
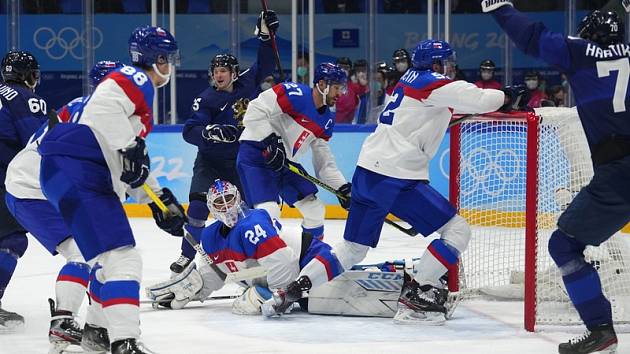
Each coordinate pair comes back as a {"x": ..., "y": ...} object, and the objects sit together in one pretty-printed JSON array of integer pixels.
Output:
[
  {"x": 392, "y": 177},
  {"x": 87, "y": 166},
  {"x": 281, "y": 125}
]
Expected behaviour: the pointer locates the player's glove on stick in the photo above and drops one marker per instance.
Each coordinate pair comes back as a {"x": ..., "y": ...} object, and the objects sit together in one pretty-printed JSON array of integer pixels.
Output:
[
  {"x": 172, "y": 222},
  {"x": 516, "y": 98},
  {"x": 344, "y": 195},
  {"x": 267, "y": 21},
  {"x": 136, "y": 164},
  {"x": 491, "y": 5},
  {"x": 220, "y": 133},
  {"x": 274, "y": 153}
]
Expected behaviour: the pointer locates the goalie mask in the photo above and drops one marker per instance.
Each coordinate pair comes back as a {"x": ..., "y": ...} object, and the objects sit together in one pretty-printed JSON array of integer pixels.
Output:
[{"x": 224, "y": 202}]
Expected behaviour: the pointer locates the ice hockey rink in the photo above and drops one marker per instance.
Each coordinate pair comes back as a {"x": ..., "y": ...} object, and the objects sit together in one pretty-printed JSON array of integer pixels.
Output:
[{"x": 477, "y": 326}]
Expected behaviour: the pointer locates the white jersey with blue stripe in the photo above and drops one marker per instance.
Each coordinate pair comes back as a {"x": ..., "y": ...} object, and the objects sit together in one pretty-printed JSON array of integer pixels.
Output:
[
  {"x": 288, "y": 110},
  {"x": 415, "y": 119}
]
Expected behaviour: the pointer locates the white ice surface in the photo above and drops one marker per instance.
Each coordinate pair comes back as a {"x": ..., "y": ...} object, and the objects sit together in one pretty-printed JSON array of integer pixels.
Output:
[{"x": 477, "y": 327}]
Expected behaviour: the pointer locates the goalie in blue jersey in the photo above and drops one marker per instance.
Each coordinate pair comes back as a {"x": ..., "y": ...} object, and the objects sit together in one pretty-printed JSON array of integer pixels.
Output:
[{"x": 597, "y": 66}]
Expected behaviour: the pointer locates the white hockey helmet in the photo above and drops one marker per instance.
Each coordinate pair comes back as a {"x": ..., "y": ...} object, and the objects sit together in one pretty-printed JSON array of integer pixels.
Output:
[{"x": 224, "y": 202}]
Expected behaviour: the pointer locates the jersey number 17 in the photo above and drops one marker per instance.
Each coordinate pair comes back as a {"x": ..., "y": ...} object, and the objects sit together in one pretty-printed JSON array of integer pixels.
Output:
[{"x": 622, "y": 67}]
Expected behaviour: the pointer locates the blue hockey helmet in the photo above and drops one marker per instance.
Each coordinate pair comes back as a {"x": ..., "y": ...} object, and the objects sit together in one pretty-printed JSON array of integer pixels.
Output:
[
  {"x": 429, "y": 51},
  {"x": 330, "y": 73},
  {"x": 603, "y": 28},
  {"x": 101, "y": 69},
  {"x": 152, "y": 45}
]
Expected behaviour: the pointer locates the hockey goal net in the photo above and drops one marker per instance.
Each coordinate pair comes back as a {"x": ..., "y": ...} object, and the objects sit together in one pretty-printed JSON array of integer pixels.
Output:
[{"x": 511, "y": 175}]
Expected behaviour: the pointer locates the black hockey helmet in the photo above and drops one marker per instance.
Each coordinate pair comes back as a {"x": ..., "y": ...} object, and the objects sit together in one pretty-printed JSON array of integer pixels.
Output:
[
  {"x": 20, "y": 67},
  {"x": 401, "y": 54},
  {"x": 225, "y": 61},
  {"x": 603, "y": 28},
  {"x": 344, "y": 61},
  {"x": 487, "y": 65}
]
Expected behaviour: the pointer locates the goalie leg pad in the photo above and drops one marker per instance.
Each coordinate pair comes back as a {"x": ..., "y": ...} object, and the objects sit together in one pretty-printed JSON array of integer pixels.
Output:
[
  {"x": 249, "y": 303},
  {"x": 178, "y": 291}
]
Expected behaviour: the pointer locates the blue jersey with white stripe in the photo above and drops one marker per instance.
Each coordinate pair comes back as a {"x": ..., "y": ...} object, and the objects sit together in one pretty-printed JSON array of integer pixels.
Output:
[{"x": 597, "y": 75}]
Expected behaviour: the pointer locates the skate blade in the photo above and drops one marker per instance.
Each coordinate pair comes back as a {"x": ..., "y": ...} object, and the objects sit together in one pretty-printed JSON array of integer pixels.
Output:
[
  {"x": 610, "y": 350},
  {"x": 11, "y": 326},
  {"x": 411, "y": 317},
  {"x": 63, "y": 348}
]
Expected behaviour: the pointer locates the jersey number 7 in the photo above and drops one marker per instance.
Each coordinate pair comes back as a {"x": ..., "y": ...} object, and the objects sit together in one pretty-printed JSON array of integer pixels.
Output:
[{"x": 622, "y": 67}]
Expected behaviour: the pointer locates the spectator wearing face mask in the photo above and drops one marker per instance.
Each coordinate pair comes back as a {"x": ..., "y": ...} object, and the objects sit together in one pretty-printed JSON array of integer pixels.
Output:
[
  {"x": 302, "y": 68},
  {"x": 267, "y": 83},
  {"x": 381, "y": 82},
  {"x": 486, "y": 76},
  {"x": 532, "y": 82},
  {"x": 348, "y": 102},
  {"x": 401, "y": 62},
  {"x": 557, "y": 95}
]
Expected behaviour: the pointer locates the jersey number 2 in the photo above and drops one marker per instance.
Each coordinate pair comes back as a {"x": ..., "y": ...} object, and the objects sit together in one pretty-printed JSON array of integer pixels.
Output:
[
  {"x": 387, "y": 116},
  {"x": 622, "y": 67}
]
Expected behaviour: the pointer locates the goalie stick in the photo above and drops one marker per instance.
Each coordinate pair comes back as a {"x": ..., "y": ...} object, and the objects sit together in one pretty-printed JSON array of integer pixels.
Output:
[
  {"x": 245, "y": 274},
  {"x": 410, "y": 231}
]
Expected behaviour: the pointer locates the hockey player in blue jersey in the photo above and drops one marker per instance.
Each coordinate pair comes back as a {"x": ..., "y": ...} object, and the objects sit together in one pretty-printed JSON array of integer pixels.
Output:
[
  {"x": 242, "y": 238},
  {"x": 597, "y": 66},
  {"x": 22, "y": 112},
  {"x": 213, "y": 128},
  {"x": 392, "y": 176},
  {"x": 88, "y": 165},
  {"x": 281, "y": 125}
]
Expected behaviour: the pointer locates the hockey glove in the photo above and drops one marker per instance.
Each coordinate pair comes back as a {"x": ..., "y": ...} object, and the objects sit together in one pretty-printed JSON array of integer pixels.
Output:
[
  {"x": 136, "y": 164},
  {"x": 282, "y": 299},
  {"x": 173, "y": 221},
  {"x": 626, "y": 5},
  {"x": 343, "y": 194},
  {"x": 274, "y": 153},
  {"x": 517, "y": 97},
  {"x": 240, "y": 107},
  {"x": 491, "y": 5},
  {"x": 220, "y": 133},
  {"x": 267, "y": 21}
]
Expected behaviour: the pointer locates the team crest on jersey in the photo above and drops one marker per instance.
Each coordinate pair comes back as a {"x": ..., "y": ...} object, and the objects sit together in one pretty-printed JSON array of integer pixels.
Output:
[{"x": 300, "y": 140}]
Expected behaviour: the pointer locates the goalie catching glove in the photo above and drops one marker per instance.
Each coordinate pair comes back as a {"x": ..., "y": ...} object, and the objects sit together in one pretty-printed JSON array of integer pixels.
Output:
[
  {"x": 173, "y": 221},
  {"x": 187, "y": 286}
]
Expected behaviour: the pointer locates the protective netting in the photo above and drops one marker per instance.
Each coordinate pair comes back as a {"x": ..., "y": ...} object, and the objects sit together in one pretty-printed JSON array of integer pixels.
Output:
[{"x": 492, "y": 197}]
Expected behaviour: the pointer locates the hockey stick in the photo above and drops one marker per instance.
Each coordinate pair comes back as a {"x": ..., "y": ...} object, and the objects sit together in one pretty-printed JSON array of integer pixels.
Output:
[
  {"x": 273, "y": 44},
  {"x": 410, "y": 231},
  {"x": 245, "y": 274},
  {"x": 222, "y": 297},
  {"x": 461, "y": 119}
]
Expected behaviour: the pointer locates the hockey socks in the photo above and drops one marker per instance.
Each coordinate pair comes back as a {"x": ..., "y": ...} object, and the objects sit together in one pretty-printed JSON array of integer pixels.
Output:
[
  {"x": 120, "y": 300},
  {"x": 436, "y": 260},
  {"x": 315, "y": 232},
  {"x": 8, "y": 262},
  {"x": 70, "y": 286},
  {"x": 580, "y": 279},
  {"x": 95, "y": 314}
]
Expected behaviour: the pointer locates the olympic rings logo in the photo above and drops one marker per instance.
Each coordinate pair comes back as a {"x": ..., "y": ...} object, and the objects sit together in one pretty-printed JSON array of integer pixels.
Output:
[
  {"x": 485, "y": 171},
  {"x": 67, "y": 41}
]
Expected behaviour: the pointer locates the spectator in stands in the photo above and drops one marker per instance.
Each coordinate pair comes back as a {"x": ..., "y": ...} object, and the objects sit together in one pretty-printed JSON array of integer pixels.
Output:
[
  {"x": 557, "y": 95},
  {"x": 401, "y": 61},
  {"x": 346, "y": 107},
  {"x": 381, "y": 82},
  {"x": 486, "y": 76},
  {"x": 346, "y": 65},
  {"x": 302, "y": 68},
  {"x": 41, "y": 6},
  {"x": 267, "y": 83},
  {"x": 532, "y": 82}
]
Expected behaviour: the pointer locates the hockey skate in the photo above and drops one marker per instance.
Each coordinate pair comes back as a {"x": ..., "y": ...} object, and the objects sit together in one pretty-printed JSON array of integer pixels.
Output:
[
  {"x": 282, "y": 299},
  {"x": 10, "y": 321},
  {"x": 95, "y": 339},
  {"x": 180, "y": 264},
  {"x": 601, "y": 340},
  {"x": 64, "y": 330},
  {"x": 421, "y": 304},
  {"x": 129, "y": 346}
]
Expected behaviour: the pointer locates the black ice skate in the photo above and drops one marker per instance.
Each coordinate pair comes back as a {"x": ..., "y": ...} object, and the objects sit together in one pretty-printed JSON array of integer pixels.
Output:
[
  {"x": 64, "y": 330},
  {"x": 421, "y": 303},
  {"x": 282, "y": 299},
  {"x": 601, "y": 340},
  {"x": 180, "y": 264},
  {"x": 10, "y": 321},
  {"x": 129, "y": 346},
  {"x": 95, "y": 339}
]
